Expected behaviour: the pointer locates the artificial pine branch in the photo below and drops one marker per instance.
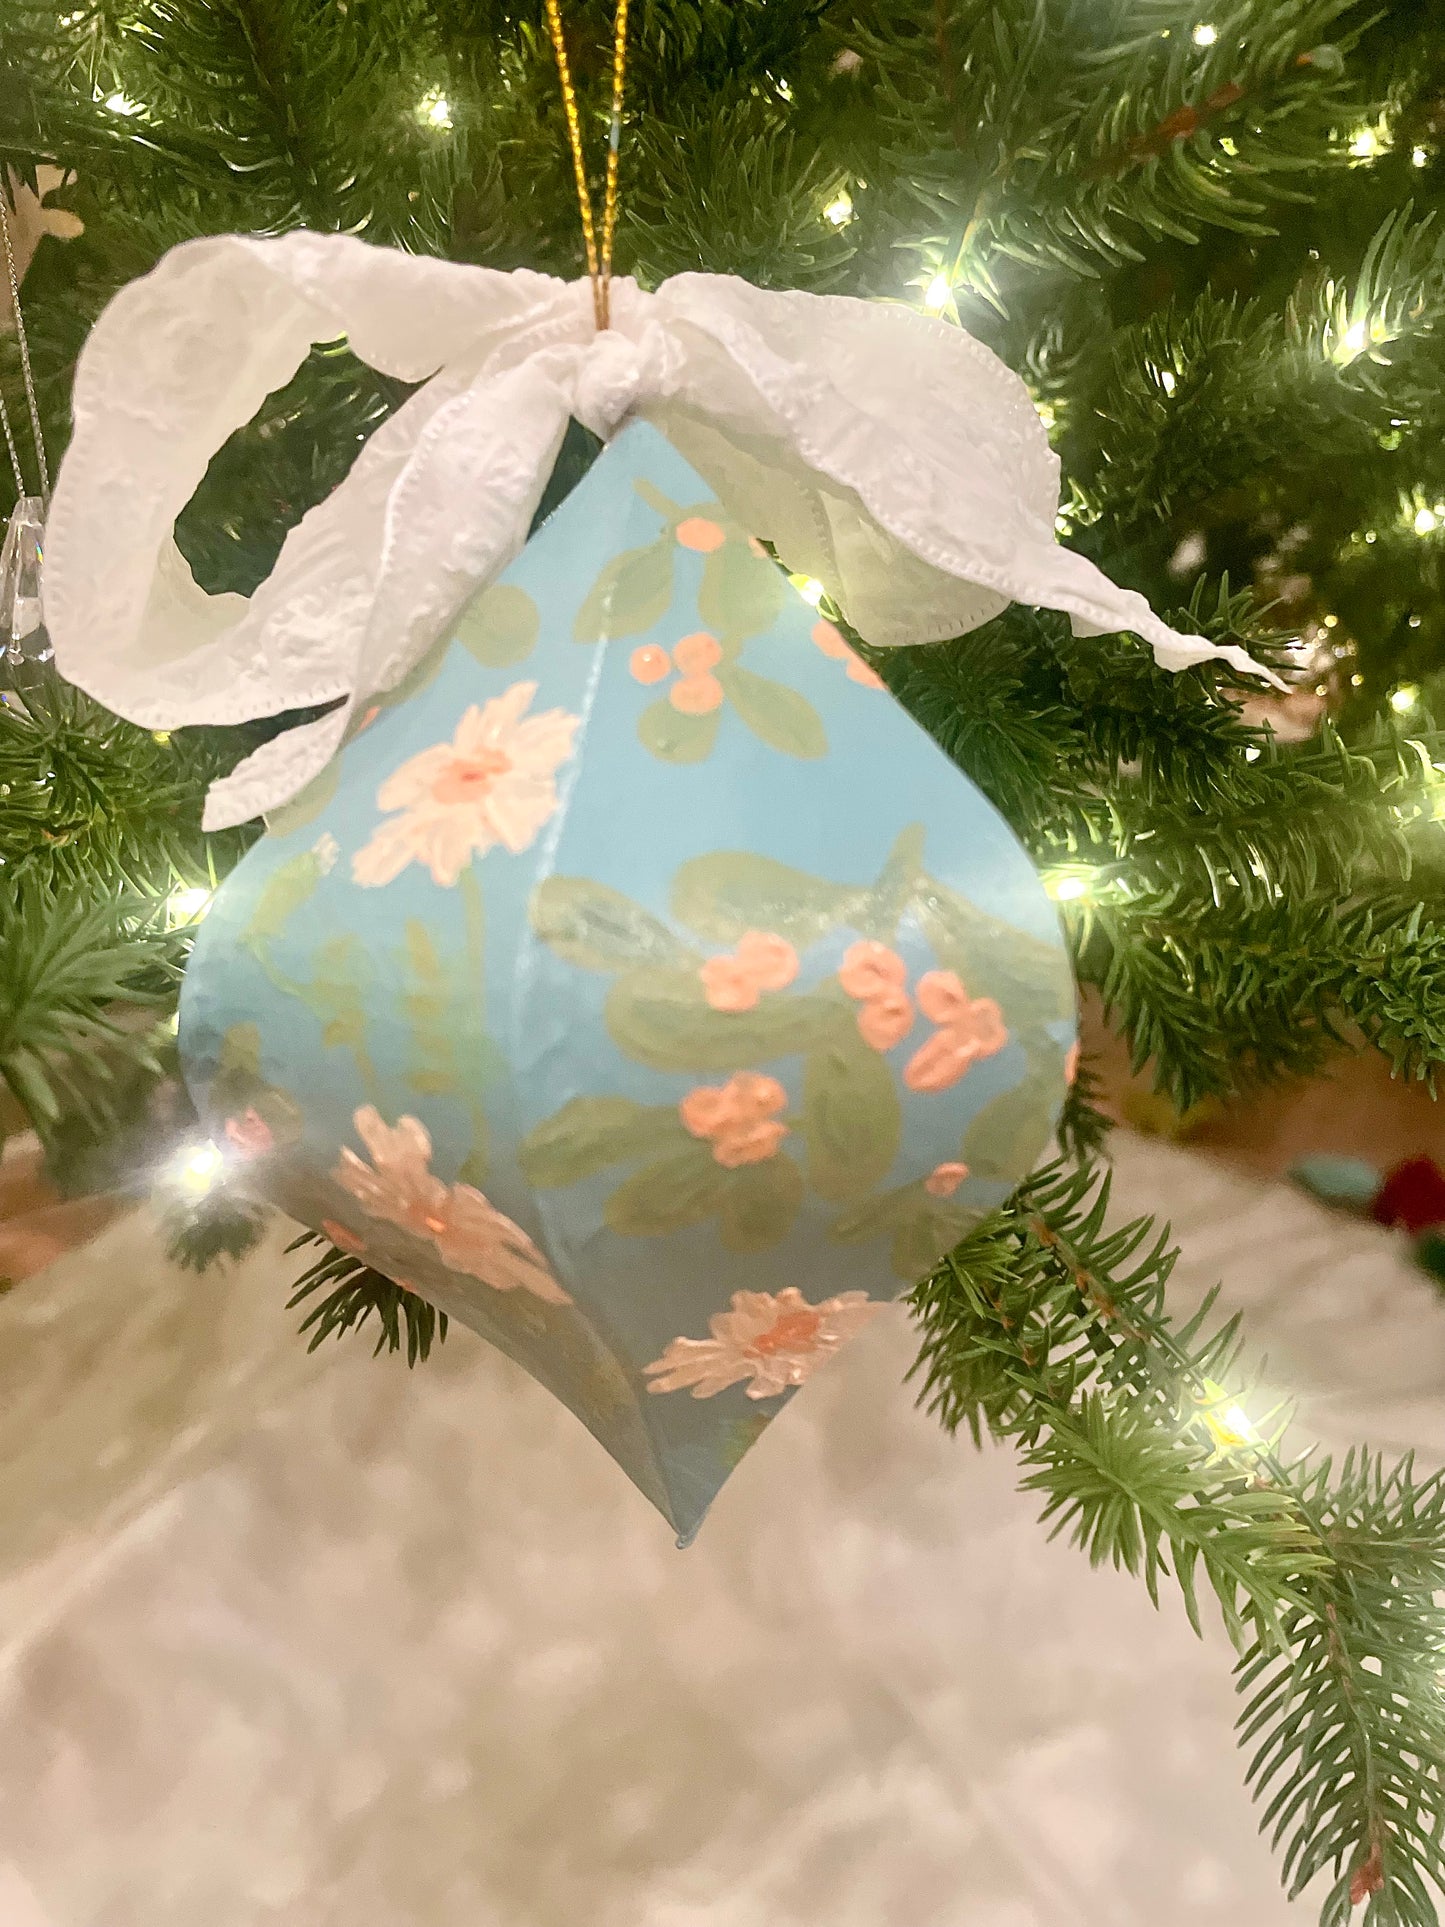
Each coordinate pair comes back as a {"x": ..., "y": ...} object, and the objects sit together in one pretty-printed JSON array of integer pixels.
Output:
[
  {"x": 351, "y": 1293},
  {"x": 1047, "y": 1327}
]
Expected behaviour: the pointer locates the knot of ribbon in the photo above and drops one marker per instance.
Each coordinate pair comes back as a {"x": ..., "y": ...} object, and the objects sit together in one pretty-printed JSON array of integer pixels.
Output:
[{"x": 883, "y": 452}]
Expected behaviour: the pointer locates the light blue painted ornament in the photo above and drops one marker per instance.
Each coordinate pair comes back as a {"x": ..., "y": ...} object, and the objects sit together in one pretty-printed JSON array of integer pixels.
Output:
[{"x": 638, "y": 984}]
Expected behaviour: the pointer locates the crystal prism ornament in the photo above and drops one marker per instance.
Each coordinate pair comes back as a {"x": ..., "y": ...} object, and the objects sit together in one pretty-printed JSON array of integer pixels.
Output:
[
  {"x": 22, "y": 630},
  {"x": 640, "y": 984}
]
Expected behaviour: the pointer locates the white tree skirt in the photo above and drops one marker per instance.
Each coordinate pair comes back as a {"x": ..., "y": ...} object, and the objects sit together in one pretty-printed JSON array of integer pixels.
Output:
[{"x": 330, "y": 1644}]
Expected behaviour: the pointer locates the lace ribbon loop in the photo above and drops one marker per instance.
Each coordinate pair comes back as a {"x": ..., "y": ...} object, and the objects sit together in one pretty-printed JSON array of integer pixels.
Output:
[{"x": 884, "y": 452}]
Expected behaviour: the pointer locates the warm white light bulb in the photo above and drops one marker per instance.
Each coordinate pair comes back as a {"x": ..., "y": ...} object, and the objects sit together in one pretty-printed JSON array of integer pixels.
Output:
[
  {"x": 196, "y": 1170},
  {"x": 811, "y": 590},
  {"x": 937, "y": 297},
  {"x": 435, "y": 110},
  {"x": 1367, "y": 143},
  {"x": 839, "y": 211},
  {"x": 185, "y": 906},
  {"x": 1404, "y": 698},
  {"x": 119, "y": 103},
  {"x": 1069, "y": 889},
  {"x": 1205, "y": 35},
  {"x": 1168, "y": 381},
  {"x": 1426, "y": 521}
]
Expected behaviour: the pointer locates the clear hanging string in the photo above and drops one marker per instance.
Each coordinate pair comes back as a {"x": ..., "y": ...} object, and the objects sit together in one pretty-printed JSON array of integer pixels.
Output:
[{"x": 22, "y": 630}]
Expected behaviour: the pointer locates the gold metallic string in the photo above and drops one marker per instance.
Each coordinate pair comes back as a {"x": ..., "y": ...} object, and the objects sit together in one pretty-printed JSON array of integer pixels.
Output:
[{"x": 599, "y": 260}]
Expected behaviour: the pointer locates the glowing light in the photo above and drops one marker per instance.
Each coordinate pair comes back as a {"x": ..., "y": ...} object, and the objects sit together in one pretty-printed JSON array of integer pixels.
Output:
[
  {"x": 1205, "y": 35},
  {"x": 1168, "y": 381},
  {"x": 197, "y": 1169},
  {"x": 1426, "y": 521},
  {"x": 186, "y": 906},
  {"x": 938, "y": 295},
  {"x": 122, "y": 104},
  {"x": 1368, "y": 143},
  {"x": 840, "y": 210},
  {"x": 1068, "y": 889},
  {"x": 1357, "y": 682},
  {"x": 1331, "y": 622},
  {"x": 1418, "y": 157},
  {"x": 809, "y": 588},
  {"x": 435, "y": 110},
  {"x": 1251, "y": 752},
  {"x": 1404, "y": 698},
  {"x": 1231, "y": 1425}
]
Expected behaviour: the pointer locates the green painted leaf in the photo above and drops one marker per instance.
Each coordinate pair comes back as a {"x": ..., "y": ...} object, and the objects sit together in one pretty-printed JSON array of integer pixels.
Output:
[
  {"x": 306, "y": 807},
  {"x": 685, "y": 1187},
  {"x": 240, "y": 1052},
  {"x": 760, "y": 1203},
  {"x": 928, "y": 1236},
  {"x": 740, "y": 593},
  {"x": 727, "y": 892},
  {"x": 282, "y": 895},
  {"x": 898, "y": 881},
  {"x": 501, "y": 626},
  {"x": 597, "y": 928},
  {"x": 1006, "y": 1137},
  {"x": 781, "y": 717},
  {"x": 632, "y": 592},
  {"x": 676, "y": 738},
  {"x": 852, "y": 1119},
  {"x": 661, "y": 1018},
  {"x": 871, "y": 1217},
  {"x": 590, "y": 1133}
]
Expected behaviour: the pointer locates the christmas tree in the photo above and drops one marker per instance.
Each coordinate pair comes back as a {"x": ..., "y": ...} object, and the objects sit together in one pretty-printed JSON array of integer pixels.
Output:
[{"x": 1205, "y": 236}]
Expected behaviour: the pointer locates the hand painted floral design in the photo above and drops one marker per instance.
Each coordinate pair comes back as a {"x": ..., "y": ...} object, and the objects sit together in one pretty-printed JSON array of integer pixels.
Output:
[
  {"x": 737, "y": 1117},
  {"x": 944, "y": 1179},
  {"x": 830, "y": 640},
  {"x": 325, "y": 850},
  {"x": 876, "y": 977},
  {"x": 760, "y": 962},
  {"x": 700, "y": 534},
  {"x": 250, "y": 1134},
  {"x": 696, "y": 695},
  {"x": 649, "y": 664},
  {"x": 968, "y": 1028},
  {"x": 469, "y": 1232},
  {"x": 493, "y": 784},
  {"x": 774, "y": 1342},
  {"x": 344, "y": 1239}
]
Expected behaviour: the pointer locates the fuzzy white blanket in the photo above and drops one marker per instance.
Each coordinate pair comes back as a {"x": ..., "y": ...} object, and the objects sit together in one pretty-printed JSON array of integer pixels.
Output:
[{"x": 327, "y": 1644}]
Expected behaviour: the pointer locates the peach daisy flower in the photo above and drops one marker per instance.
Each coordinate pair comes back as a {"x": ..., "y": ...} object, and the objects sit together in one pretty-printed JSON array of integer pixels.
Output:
[
  {"x": 737, "y": 1117},
  {"x": 494, "y": 783},
  {"x": 469, "y": 1232},
  {"x": 774, "y": 1342}
]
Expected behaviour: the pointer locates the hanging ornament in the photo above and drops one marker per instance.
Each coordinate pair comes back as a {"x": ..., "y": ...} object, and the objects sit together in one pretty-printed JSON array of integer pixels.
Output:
[
  {"x": 23, "y": 638},
  {"x": 638, "y": 984}
]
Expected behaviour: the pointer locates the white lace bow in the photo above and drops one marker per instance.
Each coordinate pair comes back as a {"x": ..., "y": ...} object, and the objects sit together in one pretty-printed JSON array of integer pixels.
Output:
[{"x": 889, "y": 455}]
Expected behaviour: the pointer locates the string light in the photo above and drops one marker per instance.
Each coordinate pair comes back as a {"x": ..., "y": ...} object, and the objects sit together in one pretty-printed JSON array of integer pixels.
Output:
[
  {"x": 1168, "y": 381},
  {"x": 809, "y": 588},
  {"x": 196, "y": 1169},
  {"x": 840, "y": 210},
  {"x": 1404, "y": 698},
  {"x": 1067, "y": 889},
  {"x": 938, "y": 295},
  {"x": 1418, "y": 157},
  {"x": 1368, "y": 143},
  {"x": 435, "y": 110},
  {"x": 1230, "y": 1425},
  {"x": 1426, "y": 521},
  {"x": 186, "y": 906},
  {"x": 1205, "y": 35},
  {"x": 119, "y": 103}
]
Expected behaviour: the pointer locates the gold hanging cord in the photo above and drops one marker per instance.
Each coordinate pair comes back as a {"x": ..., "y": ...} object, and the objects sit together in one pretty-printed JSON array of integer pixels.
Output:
[{"x": 599, "y": 259}]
